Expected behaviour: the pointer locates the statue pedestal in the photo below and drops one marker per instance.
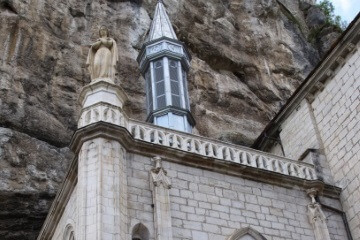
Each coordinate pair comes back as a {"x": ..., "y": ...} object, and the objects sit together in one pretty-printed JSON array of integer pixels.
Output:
[
  {"x": 102, "y": 100},
  {"x": 101, "y": 165}
]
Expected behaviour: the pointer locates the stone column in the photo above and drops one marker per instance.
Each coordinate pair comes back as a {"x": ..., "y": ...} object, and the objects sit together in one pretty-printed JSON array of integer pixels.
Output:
[
  {"x": 317, "y": 217},
  {"x": 101, "y": 187},
  {"x": 161, "y": 184}
]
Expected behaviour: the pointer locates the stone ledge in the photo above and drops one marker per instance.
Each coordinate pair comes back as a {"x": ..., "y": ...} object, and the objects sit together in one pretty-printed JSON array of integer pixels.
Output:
[{"x": 121, "y": 134}]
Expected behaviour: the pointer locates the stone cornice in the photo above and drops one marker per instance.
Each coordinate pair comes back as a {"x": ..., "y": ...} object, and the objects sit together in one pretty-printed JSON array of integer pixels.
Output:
[
  {"x": 133, "y": 145},
  {"x": 163, "y": 47},
  {"x": 154, "y": 42}
]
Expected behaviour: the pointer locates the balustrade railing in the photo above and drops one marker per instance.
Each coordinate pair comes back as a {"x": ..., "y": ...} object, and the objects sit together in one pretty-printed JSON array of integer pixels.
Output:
[
  {"x": 220, "y": 150},
  {"x": 195, "y": 144}
]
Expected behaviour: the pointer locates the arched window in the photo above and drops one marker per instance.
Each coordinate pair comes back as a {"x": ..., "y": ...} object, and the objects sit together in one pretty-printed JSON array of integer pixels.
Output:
[
  {"x": 69, "y": 233},
  {"x": 140, "y": 232},
  {"x": 246, "y": 234}
]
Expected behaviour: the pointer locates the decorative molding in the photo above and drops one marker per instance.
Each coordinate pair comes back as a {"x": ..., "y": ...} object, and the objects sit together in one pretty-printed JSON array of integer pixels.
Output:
[
  {"x": 329, "y": 73},
  {"x": 350, "y": 47},
  {"x": 238, "y": 234},
  {"x": 220, "y": 150},
  {"x": 340, "y": 60},
  {"x": 163, "y": 47},
  {"x": 177, "y": 155},
  {"x": 101, "y": 112}
]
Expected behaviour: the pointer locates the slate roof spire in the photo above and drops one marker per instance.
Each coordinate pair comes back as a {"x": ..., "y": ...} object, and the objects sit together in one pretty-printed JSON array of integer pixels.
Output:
[{"x": 161, "y": 25}]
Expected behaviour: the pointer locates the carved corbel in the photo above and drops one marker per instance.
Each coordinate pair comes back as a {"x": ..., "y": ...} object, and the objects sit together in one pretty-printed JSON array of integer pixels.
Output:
[
  {"x": 329, "y": 73},
  {"x": 350, "y": 47},
  {"x": 340, "y": 61}
]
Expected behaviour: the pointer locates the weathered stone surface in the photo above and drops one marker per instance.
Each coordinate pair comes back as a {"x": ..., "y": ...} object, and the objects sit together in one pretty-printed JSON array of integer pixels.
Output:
[
  {"x": 248, "y": 57},
  {"x": 315, "y": 17},
  {"x": 30, "y": 173}
]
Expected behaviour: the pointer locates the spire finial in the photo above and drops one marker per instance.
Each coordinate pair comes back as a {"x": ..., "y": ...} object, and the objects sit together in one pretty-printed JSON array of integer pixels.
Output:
[{"x": 161, "y": 25}]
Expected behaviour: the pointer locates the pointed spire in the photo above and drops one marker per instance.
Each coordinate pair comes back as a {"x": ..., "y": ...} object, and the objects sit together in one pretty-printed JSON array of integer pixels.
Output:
[{"x": 161, "y": 25}]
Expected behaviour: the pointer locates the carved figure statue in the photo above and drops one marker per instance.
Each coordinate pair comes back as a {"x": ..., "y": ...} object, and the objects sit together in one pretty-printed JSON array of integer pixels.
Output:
[
  {"x": 318, "y": 220},
  {"x": 317, "y": 217},
  {"x": 102, "y": 57}
]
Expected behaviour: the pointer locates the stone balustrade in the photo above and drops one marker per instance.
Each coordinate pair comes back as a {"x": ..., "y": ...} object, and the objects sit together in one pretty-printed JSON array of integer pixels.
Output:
[{"x": 220, "y": 150}]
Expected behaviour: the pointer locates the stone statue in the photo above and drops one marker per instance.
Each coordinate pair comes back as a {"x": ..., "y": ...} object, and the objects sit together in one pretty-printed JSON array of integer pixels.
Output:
[
  {"x": 318, "y": 221},
  {"x": 102, "y": 56},
  {"x": 317, "y": 217}
]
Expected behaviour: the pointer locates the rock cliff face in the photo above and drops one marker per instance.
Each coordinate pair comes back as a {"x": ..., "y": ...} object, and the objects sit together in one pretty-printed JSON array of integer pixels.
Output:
[{"x": 248, "y": 57}]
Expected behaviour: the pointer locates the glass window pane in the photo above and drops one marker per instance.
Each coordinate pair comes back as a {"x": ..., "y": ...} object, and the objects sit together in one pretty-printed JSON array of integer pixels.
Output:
[
  {"x": 175, "y": 88},
  {"x": 173, "y": 70},
  {"x": 176, "y": 100},
  {"x": 149, "y": 96},
  {"x": 159, "y": 71},
  {"x": 161, "y": 102},
  {"x": 160, "y": 88}
]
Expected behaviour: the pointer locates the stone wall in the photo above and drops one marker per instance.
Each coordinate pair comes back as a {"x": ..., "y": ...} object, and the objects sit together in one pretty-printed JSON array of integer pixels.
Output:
[
  {"x": 206, "y": 205},
  {"x": 69, "y": 217},
  {"x": 337, "y": 113},
  {"x": 139, "y": 193},
  {"x": 331, "y": 124},
  {"x": 298, "y": 132}
]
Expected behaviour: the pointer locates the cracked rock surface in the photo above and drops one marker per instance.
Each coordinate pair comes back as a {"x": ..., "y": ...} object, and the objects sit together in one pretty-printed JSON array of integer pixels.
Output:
[{"x": 248, "y": 58}]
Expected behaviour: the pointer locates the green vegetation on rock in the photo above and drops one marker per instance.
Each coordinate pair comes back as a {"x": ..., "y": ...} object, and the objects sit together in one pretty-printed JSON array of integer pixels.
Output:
[{"x": 328, "y": 8}]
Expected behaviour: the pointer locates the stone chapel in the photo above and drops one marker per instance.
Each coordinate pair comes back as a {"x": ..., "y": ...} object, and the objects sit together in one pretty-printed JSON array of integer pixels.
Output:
[{"x": 155, "y": 180}]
